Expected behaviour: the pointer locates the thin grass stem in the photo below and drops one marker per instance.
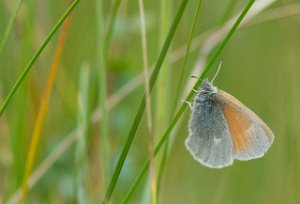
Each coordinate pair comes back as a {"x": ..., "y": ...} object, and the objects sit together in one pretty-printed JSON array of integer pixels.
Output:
[
  {"x": 148, "y": 103},
  {"x": 101, "y": 63}
]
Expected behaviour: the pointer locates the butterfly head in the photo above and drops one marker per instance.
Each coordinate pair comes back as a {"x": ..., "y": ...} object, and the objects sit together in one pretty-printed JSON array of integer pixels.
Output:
[
  {"x": 207, "y": 87},
  {"x": 205, "y": 92}
]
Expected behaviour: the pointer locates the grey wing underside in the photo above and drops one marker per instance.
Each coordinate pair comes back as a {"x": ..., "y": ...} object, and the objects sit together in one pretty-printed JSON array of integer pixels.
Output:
[{"x": 209, "y": 139}]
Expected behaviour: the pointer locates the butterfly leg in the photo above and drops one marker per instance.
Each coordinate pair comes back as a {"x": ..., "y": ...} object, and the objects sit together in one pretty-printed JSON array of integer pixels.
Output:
[
  {"x": 195, "y": 90},
  {"x": 189, "y": 104}
]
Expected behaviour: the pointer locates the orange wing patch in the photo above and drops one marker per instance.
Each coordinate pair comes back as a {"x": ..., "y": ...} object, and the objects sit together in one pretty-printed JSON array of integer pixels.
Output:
[
  {"x": 238, "y": 125},
  {"x": 236, "y": 104},
  {"x": 251, "y": 137}
]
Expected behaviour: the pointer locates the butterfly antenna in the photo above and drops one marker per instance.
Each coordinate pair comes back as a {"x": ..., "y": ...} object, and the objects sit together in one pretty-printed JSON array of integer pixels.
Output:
[
  {"x": 194, "y": 77},
  {"x": 219, "y": 67}
]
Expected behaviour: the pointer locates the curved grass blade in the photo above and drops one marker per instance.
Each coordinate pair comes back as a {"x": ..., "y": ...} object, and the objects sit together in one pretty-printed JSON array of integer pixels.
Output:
[
  {"x": 188, "y": 98},
  {"x": 139, "y": 114},
  {"x": 35, "y": 56}
]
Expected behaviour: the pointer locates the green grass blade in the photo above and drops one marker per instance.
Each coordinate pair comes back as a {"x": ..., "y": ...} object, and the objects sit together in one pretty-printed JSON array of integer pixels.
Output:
[
  {"x": 35, "y": 56},
  {"x": 142, "y": 106},
  {"x": 189, "y": 97},
  {"x": 9, "y": 27},
  {"x": 101, "y": 63}
]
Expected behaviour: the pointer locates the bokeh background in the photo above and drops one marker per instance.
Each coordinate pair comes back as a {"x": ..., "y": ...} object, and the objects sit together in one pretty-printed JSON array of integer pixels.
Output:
[{"x": 260, "y": 67}]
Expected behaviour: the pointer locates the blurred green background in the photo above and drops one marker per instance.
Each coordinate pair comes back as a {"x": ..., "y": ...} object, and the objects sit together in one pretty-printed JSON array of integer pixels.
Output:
[{"x": 260, "y": 67}]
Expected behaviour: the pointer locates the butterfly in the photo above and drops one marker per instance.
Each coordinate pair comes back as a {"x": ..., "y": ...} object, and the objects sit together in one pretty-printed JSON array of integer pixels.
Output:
[{"x": 222, "y": 129}]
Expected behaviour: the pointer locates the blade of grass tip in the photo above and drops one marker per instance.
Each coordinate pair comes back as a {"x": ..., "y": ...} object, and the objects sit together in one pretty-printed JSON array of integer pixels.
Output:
[
  {"x": 142, "y": 105},
  {"x": 111, "y": 24},
  {"x": 80, "y": 151},
  {"x": 188, "y": 98},
  {"x": 148, "y": 104},
  {"x": 101, "y": 64},
  {"x": 181, "y": 78},
  {"x": 9, "y": 27},
  {"x": 35, "y": 56},
  {"x": 43, "y": 108}
]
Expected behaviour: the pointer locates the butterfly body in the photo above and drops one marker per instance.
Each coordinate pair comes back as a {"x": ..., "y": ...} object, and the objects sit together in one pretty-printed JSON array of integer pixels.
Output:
[{"x": 222, "y": 129}]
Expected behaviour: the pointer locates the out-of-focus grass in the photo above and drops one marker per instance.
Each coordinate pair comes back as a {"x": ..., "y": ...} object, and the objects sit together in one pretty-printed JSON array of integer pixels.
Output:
[
  {"x": 8, "y": 28},
  {"x": 260, "y": 67},
  {"x": 81, "y": 184}
]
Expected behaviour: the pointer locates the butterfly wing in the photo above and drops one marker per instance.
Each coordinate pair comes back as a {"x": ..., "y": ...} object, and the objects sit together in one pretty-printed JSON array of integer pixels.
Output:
[
  {"x": 209, "y": 139},
  {"x": 250, "y": 135}
]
